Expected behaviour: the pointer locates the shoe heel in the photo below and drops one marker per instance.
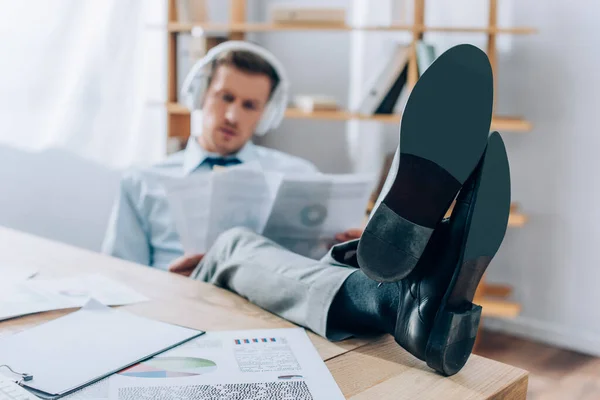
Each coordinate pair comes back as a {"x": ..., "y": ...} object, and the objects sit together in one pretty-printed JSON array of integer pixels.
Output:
[{"x": 451, "y": 340}]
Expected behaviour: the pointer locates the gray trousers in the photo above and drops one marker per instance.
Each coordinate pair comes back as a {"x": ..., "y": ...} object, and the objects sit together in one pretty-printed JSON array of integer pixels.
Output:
[{"x": 284, "y": 283}]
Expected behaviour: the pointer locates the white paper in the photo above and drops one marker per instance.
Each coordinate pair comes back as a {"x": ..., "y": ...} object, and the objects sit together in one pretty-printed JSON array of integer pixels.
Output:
[
  {"x": 96, "y": 391},
  {"x": 9, "y": 390},
  {"x": 189, "y": 203},
  {"x": 300, "y": 212},
  {"x": 76, "y": 349},
  {"x": 39, "y": 295},
  {"x": 310, "y": 210},
  {"x": 241, "y": 198},
  {"x": 205, "y": 205},
  {"x": 253, "y": 364},
  {"x": 16, "y": 273}
]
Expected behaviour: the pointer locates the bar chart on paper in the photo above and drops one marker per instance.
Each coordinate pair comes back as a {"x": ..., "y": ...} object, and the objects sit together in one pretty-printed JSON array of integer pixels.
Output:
[
  {"x": 255, "y": 340},
  {"x": 170, "y": 367}
]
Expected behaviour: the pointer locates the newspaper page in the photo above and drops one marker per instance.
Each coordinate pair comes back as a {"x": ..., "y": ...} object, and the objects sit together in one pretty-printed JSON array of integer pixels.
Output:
[
  {"x": 254, "y": 364},
  {"x": 205, "y": 205},
  {"x": 190, "y": 206},
  {"x": 310, "y": 210},
  {"x": 300, "y": 212},
  {"x": 241, "y": 198}
]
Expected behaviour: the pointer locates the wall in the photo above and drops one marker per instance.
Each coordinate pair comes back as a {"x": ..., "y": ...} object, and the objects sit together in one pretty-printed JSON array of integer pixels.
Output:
[
  {"x": 553, "y": 261},
  {"x": 317, "y": 63},
  {"x": 56, "y": 195}
]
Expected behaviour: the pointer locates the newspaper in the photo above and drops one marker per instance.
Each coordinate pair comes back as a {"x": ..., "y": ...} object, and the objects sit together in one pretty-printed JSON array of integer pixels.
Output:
[
  {"x": 302, "y": 212},
  {"x": 253, "y": 364}
]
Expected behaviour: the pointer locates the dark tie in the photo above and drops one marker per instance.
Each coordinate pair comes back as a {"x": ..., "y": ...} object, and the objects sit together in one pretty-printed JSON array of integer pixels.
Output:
[{"x": 221, "y": 161}]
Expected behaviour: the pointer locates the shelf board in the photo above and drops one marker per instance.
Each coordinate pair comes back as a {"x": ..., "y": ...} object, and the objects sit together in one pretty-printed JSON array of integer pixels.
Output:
[
  {"x": 495, "y": 290},
  {"x": 500, "y": 123},
  {"x": 176, "y": 108},
  {"x": 517, "y": 220},
  {"x": 498, "y": 308},
  {"x": 272, "y": 27},
  {"x": 340, "y": 115}
]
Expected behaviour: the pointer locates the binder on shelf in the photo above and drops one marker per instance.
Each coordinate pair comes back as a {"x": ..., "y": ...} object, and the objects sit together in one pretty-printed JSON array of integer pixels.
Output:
[
  {"x": 284, "y": 14},
  {"x": 388, "y": 104},
  {"x": 189, "y": 50},
  {"x": 191, "y": 11},
  {"x": 425, "y": 56},
  {"x": 382, "y": 82},
  {"x": 59, "y": 357}
]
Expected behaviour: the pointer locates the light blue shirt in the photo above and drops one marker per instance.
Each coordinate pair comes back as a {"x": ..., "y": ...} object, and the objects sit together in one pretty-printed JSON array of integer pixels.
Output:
[{"x": 141, "y": 228}]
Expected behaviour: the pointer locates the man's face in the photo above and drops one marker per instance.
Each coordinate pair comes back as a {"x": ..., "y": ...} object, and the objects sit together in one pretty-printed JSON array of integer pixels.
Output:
[{"x": 232, "y": 108}]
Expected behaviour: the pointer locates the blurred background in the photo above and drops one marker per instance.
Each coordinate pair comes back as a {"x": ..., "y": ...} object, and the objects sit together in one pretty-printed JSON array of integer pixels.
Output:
[{"x": 89, "y": 89}]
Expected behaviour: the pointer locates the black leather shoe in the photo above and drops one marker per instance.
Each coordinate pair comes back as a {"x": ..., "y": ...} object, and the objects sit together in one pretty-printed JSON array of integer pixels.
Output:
[
  {"x": 443, "y": 134},
  {"x": 437, "y": 321}
]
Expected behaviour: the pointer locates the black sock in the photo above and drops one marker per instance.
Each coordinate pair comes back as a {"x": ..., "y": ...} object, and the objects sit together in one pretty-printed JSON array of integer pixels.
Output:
[
  {"x": 360, "y": 307},
  {"x": 417, "y": 190}
]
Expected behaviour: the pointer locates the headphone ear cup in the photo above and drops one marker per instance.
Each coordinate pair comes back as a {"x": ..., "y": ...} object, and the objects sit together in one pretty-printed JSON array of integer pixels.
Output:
[
  {"x": 273, "y": 113},
  {"x": 200, "y": 92},
  {"x": 266, "y": 122}
]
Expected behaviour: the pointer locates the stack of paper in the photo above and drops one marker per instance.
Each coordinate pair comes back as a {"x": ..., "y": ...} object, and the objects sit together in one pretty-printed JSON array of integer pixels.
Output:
[
  {"x": 83, "y": 347},
  {"x": 247, "y": 364}
]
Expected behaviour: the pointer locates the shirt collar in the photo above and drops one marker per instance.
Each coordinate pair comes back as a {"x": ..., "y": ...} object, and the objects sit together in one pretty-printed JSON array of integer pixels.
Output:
[{"x": 195, "y": 155}]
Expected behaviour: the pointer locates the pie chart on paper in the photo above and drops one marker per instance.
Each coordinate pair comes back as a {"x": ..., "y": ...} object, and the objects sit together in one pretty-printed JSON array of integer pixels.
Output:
[{"x": 170, "y": 367}]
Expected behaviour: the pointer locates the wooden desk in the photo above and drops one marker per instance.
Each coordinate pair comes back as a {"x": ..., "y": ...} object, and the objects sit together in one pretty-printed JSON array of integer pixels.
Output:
[{"x": 372, "y": 368}]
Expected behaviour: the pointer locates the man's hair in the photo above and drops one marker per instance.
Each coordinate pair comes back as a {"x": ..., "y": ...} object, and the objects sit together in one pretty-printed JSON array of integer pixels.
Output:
[{"x": 248, "y": 62}]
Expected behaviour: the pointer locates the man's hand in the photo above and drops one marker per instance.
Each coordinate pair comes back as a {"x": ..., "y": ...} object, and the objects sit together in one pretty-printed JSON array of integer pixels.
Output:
[
  {"x": 350, "y": 234},
  {"x": 185, "y": 265}
]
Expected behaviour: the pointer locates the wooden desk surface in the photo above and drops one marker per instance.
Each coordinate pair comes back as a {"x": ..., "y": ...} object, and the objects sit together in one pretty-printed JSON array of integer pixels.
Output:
[{"x": 372, "y": 368}]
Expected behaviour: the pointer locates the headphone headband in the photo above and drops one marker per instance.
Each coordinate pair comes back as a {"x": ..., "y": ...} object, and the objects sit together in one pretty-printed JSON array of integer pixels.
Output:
[{"x": 196, "y": 82}]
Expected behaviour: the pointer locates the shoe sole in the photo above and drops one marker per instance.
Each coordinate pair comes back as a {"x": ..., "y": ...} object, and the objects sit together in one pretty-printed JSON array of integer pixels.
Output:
[
  {"x": 444, "y": 131},
  {"x": 457, "y": 320}
]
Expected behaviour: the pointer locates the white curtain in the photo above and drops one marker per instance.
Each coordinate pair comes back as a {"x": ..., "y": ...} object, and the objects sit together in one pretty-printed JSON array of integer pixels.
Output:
[{"x": 81, "y": 75}]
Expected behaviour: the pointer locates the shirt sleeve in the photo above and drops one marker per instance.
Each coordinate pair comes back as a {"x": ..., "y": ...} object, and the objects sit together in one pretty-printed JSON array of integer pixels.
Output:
[{"x": 126, "y": 237}]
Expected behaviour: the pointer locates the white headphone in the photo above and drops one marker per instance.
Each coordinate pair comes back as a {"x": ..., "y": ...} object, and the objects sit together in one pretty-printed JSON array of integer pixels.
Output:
[{"x": 196, "y": 83}]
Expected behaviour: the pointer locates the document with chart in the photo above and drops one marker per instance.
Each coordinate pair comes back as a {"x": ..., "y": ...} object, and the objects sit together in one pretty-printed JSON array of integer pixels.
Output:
[
  {"x": 311, "y": 209},
  {"x": 301, "y": 212},
  {"x": 253, "y": 364}
]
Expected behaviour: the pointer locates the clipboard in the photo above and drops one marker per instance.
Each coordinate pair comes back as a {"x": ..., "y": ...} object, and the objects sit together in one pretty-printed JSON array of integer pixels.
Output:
[{"x": 79, "y": 349}]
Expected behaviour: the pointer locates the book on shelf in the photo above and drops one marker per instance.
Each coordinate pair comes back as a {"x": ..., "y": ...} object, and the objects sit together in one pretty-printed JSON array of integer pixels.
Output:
[
  {"x": 383, "y": 80},
  {"x": 388, "y": 104},
  {"x": 191, "y": 11},
  {"x": 285, "y": 14},
  {"x": 425, "y": 56},
  {"x": 386, "y": 90},
  {"x": 317, "y": 102},
  {"x": 189, "y": 50}
]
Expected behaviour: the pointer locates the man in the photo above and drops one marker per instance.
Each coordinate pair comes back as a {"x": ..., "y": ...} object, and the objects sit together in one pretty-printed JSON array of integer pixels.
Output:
[
  {"x": 412, "y": 273},
  {"x": 239, "y": 90}
]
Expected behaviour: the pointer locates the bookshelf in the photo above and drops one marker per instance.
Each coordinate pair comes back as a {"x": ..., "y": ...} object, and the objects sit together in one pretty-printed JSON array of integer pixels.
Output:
[
  {"x": 513, "y": 124},
  {"x": 237, "y": 27},
  {"x": 273, "y": 27},
  {"x": 493, "y": 298}
]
